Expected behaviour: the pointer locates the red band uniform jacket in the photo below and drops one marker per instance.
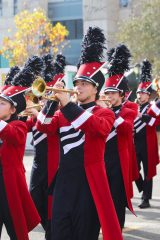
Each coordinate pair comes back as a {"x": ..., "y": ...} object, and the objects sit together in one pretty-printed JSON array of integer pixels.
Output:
[
  {"x": 151, "y": 137},
  {"x": 134, "y": 166},
  {"x": 96, "y": 126},
  {"x": 23, "y": 212},
  {"x": 124, "y": 130}
]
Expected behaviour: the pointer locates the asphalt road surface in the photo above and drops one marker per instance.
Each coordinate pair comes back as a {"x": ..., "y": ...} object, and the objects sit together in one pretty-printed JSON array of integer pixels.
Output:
[{"x": 144, "y": 226}]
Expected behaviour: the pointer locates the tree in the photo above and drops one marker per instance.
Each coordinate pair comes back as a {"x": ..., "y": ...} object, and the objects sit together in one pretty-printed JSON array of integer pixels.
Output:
[
  {"x": 142, "y": 33},
  {"x": 35, "y": 35}
]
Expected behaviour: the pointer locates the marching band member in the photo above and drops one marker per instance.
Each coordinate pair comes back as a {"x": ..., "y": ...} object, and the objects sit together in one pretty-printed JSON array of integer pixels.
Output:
[
  {"x": 145, "y": 136},
  {"x": 119, "y": 144},
  {"x": 17, "y": 210},
  {"x": 78, "y": 197},
  {"x": 154, "y": 109},
  {"x": 134, "y": 107},
  {"x": 111, "y": 57},
  {"x": 41, "y": 173}
]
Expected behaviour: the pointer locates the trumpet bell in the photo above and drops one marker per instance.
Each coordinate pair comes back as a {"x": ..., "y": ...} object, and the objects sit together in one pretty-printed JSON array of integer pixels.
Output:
[
  {"x": 156, "y": 84},
  {"x": 39, "y": 87},
  {"x": 32, "y": 97},
  {"x": 156, "y": 88}
]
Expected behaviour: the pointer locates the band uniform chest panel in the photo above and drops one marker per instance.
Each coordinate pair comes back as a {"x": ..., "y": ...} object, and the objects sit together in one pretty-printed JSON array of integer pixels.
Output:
[
  {"x": 71, "y": 138},
  {"x": 37, "y": 136},
  {"x": 138, "y": 124},
  {"x": 113, "y": 132}
]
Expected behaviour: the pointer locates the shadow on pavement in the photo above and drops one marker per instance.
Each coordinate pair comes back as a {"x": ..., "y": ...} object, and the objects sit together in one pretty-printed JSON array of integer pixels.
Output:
[{"x": 139, "y": 234}]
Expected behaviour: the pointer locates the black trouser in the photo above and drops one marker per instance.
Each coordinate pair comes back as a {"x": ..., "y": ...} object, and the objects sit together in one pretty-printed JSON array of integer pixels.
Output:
[
  {"x": 5, "y": 217},
  {"x": 143, "y": 184},
  {"x": 39, "y": 194},
  {"x": 48, "y": 235},
  {"x": 116, "y": 185},
  {"x": 74, "y": 213}
]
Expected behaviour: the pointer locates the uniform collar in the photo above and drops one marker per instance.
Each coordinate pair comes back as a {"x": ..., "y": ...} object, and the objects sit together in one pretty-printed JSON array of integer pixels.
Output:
[
  {"x": 88, "y": 105},
  {"x": 143, "y": 105},
  {"x": 116, "y": 108}
]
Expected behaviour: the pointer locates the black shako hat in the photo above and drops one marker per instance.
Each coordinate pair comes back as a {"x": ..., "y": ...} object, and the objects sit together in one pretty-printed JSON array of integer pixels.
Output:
[
  {"x": 91, "y": 57},
  {"x": 119, "y": 59},
  {"x": 15, "y": 94},
  {"x": 145, "y": 84}
]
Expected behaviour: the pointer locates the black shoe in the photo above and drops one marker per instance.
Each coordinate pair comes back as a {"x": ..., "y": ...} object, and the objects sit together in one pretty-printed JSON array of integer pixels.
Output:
[{"x": 145, "y": 204}]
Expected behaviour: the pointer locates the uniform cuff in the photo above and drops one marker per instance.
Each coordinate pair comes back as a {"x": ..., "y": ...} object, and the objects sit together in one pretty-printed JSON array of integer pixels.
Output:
[
  {"x": 155, "y": 109},
  {"x": 118, "y": 121},
  {"x": 45, "y": 116},
  {"x": 152, "y": 121},
  {"x": 44, "y": 119},
  {"x": 3, "y": 124},
  {"x": 50, "y": 108}
]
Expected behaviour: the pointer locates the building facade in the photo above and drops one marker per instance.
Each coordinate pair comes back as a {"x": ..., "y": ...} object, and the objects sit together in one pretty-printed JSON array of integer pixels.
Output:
[
  {"x": 69, "y": 13},
  {"x": 76, "y": 15}
]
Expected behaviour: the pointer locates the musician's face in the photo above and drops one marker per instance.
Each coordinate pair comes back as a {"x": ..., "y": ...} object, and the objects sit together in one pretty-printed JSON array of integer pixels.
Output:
[
  {"x": 6, "y": 109},
  {"x": 143, "y": 97},
  {"x": 86, "y": 91},
  {"x": 114, "y": 98}
]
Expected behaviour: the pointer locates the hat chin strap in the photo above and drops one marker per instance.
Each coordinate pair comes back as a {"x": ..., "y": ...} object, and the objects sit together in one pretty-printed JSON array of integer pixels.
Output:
[
  {"x": 87, "y": 79},
  {"x": 143, "y": 91},
  {"x": 110, "y": 89}
]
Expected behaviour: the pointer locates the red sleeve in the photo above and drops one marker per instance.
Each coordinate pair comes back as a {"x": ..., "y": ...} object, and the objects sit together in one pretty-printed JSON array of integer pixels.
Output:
[
  {"x": 154, "y": 113},
  {"x": 132, "y": 106},
  {"x": 125, "y": 122},
  {"x": 48, "y": 125},
  {"x": 154, "y": 110},
  {"x": 14, "y": 132},
  {"x": 154, "y": 122},
  {"x": 30, "y": 123},
  {"x": 157, "y": 122},
  {"x": 99, "y": 123}
]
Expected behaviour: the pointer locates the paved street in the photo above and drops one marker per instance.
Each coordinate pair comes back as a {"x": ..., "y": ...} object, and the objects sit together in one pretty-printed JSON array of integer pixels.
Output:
[{"x": 146, "y": 226}]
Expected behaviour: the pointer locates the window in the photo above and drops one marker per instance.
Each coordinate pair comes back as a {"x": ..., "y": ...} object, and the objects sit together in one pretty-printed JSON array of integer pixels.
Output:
[
  {"x": 54, "y": 1},
  {"x": 65, "y": 10},
  {"x": 15, "y": 7},
  {"x": 124, "y": 3},
  {"x": 1, "y": 12},
  {"x": 79, "y": 28},
  {"x": 75, "y": 28}
]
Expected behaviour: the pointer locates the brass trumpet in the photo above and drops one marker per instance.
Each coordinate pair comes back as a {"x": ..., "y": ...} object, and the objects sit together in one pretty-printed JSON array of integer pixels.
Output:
[
  {"x": 106, "y": 101},
  {"x": 39, "y": 88},
  {"x": 32, "y": 97},
  {"x": 37, "y": 106},
  {"x": 27, "y": 114},
  {"x": 156, "y": 85}
]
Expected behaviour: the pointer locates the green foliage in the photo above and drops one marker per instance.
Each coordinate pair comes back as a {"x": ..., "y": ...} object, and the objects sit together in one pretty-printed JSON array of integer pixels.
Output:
[{"x": 142, "y": 33}]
